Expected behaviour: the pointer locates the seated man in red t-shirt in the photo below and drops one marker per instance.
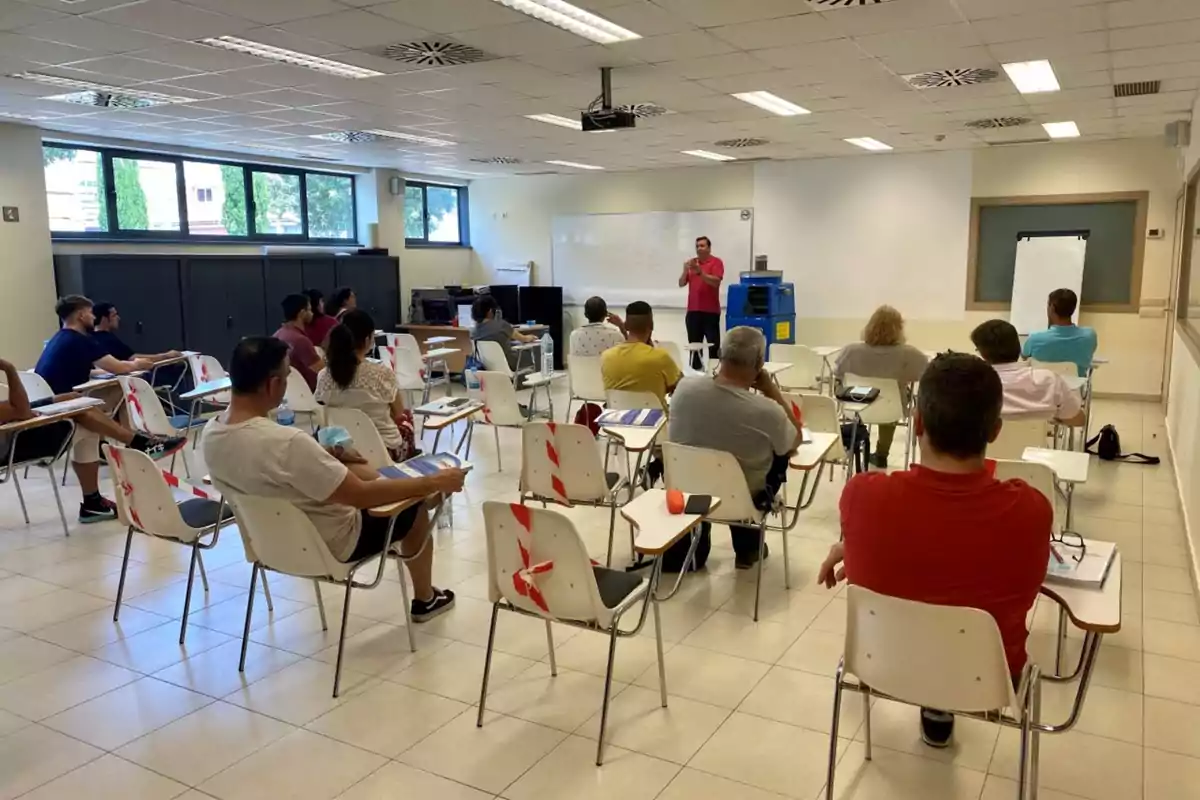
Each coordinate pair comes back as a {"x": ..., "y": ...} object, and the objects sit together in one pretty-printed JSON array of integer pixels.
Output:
[{"x": 947, "y": 532}]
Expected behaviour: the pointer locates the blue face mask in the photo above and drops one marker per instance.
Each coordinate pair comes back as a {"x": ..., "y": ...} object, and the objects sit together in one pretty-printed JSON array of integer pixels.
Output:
[{"x": 334, "y": 436}]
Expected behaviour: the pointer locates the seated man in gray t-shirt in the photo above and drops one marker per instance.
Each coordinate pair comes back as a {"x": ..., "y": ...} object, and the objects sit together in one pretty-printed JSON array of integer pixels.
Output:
[{"x": 722, "y": 413}]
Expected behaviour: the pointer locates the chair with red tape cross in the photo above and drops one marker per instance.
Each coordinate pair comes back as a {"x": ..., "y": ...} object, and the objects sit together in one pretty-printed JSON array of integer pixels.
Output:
[
  {"x": 561, "y": 463},
  {"x": 146, "y": 504},
  {"x": 539, "y": 566},
  {"x": 146, "y": 414}
]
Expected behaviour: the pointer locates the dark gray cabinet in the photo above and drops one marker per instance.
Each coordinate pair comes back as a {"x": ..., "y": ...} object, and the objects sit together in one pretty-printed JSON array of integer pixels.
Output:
[
  {"x": 208, "y": 303},
  {"x": 145, "y": 290},
  {"x": 376, "y": 283}
]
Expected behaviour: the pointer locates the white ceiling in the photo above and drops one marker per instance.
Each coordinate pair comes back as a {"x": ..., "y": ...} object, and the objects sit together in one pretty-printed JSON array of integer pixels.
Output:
[{"x": 843, "y": 65}]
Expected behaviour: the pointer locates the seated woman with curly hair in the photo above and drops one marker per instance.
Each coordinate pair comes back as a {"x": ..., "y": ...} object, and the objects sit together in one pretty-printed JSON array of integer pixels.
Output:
[{"x": 349, "y": 380}]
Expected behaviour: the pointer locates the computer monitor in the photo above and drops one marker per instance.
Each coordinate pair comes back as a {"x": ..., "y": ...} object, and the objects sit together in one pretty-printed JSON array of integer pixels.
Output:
[{"x": 437, "y": 311}]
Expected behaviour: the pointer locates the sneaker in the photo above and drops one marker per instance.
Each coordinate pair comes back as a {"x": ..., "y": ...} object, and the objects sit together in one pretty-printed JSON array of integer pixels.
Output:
[
  {"x": 96, "y": 510},
  {"x": 442, "y": 601},
  {"x": 937, "y": 728},
  {"x": 159, "y": 447},
  {"x": 878, "y": 461},
  {"x": 748, "y": 560}
]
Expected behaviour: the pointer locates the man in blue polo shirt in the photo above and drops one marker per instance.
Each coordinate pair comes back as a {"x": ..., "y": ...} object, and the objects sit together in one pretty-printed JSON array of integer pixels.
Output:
[
  {"x": 1063, "y": 340},
  {"x": 67, "y": 361}
]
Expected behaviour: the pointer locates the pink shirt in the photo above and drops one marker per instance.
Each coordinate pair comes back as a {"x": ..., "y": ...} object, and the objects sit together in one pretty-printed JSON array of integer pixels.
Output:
[
  {"x": 1029, "y": 391},
  {"x": 701, "y": 296},
  {"x": 303, "y": 353}
]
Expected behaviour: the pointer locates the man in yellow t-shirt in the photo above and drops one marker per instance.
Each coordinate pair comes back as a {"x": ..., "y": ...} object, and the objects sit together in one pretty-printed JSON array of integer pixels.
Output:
[{"x": 637, "y": 365}]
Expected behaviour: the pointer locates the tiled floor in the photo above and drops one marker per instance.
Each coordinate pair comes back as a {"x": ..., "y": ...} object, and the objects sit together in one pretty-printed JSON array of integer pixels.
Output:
[{"x": 89, "y": 708}]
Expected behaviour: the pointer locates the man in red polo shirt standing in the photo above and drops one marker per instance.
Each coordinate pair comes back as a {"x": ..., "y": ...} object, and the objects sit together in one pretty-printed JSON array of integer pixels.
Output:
[
  {"x": 703, "y": 275},
  {"x": 946, "y": 532}
]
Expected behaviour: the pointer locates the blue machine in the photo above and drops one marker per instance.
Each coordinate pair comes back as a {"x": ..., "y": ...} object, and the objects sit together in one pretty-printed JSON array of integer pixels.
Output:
[{"x": 762, "y": 300}]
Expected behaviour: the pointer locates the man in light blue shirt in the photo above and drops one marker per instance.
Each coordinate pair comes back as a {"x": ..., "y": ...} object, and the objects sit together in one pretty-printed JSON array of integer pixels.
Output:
[{"x": 1063, "y": 340}]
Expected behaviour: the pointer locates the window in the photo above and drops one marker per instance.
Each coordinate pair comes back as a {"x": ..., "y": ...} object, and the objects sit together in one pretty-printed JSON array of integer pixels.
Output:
[
  {"x": 115, "y": 194},
  {"x": 146, "y": 194},
  {"x": 277, "y": 204},
  {"x": 330, "y": 207},
  {"x": 75, "y": 190},
  {"x": 435, "y": 215}
]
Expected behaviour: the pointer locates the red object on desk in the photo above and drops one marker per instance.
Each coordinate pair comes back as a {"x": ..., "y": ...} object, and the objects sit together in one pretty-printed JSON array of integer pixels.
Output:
[{"x": 674, "y": 501}]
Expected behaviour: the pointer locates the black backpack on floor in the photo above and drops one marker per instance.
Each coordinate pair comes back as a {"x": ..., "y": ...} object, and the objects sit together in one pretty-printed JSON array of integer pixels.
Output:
[{"x": 1107, "y": 444}]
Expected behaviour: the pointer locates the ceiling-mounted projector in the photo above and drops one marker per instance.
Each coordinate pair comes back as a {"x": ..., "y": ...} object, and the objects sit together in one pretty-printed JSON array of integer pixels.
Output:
[{"x": 600, "y": 115}]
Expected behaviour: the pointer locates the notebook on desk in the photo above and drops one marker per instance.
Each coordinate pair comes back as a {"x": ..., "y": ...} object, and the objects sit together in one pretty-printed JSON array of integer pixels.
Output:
[
  {"x": 422, "y": 466},
  {"x": 635, "y": 418},
  {"x": 50, "y": 409},
  {"x": 1090, "y": 571}
]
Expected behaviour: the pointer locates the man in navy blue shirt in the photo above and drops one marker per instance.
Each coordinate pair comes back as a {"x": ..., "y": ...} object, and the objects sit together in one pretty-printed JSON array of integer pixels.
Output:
[
  {"x": 67, "y": 361},
  {"x": 108, "y": 322}
]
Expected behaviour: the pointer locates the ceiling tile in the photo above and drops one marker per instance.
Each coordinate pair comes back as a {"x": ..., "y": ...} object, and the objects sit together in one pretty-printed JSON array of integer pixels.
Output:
[
  {"x": 38, "y": 52},
  {"x": 1133, "y": 13},
  {"x": 1051, "y": 48},
  {"x": 278, "y": 37},
  {"x": 783, "y": 32},
  {"x": 714, "y": 13},
  {"x": 355, "y": 29},
  {"x": 173, "y": 19},
  {"x": 1183, "y": 31},
  {"x": 270, "y": 12},
  {"x": 92, "y": 34},
  {"x": 831, "y": 55},
  {"x": 135, "y": 69},
  {"x": 1146, "y": 56},
  {"x": 521, "y": 38},
  {"x": 737, "y": 63},
  {"x": 15, "y": 14},
  {"x": 673, "y": 47},
  {"x": 445, "y": 16},
  {"x": 198, "y": 57},
  {"x": 222, "y": 84},
  {"x": 900, "y": 16},
  {"x": 1079, "y": 19}
]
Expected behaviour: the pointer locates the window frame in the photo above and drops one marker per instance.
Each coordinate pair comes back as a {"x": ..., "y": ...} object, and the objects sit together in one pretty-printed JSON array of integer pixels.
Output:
[
  {"x": 1187, "y": 325},
  {"x": 464, "y": 232},
  {"x": 183, "y": 236}
]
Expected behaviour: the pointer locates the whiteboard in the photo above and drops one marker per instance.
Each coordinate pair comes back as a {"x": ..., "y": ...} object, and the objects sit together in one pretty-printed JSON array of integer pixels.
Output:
[
  {"x": 628, "y": 257},
  {"x": 1044, "y": 263}
]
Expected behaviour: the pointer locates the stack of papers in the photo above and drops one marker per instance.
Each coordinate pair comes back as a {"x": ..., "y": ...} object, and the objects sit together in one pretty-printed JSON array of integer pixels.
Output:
[
  {"x": 636, "y": 418},
  {"x": 68, "y": 405},
  {"x": 1091, "y": 570},
  {"x": 424, "y": 465}
]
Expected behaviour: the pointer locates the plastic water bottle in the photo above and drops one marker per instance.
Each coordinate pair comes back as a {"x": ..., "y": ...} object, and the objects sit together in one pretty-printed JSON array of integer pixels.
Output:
[
  {"x": 547, "y": 355},
  {"x": 284, "y": 415}
]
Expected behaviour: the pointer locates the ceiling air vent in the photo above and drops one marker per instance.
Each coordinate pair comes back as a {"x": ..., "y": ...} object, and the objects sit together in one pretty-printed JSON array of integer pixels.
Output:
[
  {"x": 435, "y": 53},
  {"x": 943, "y": 78},
  {"x": 643, "y": 110},
  {"x": 989, "y": 123},
  {"x": 1136, "y": 88},
  {"x": 497, "y": 160},
  {"x": 742, "y": 142},
  {"x": 108, "y": 100},
  {"x": 825, "y": 5},
  {"x": 349, "y": 137}
]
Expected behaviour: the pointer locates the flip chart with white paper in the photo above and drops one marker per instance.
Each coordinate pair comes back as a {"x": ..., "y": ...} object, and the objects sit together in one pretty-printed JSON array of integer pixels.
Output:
[
  {"x": 1044, "y": 263},
  {"x": 627, "y": 257}
]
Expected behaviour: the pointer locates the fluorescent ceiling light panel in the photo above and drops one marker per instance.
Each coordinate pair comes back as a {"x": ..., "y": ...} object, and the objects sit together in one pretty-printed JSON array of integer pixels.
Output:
[
  {"x": 272, "y": 53},
  {"x": 1061, "y": 130},
  {"x": 574, "y": 164},
  {"x": 1032, "y": 77},
  {"x": 555, "y": 119},
  {"x": 711, "y": 156},
  {"x": 572, "y": 19},
  {"x": 769, "y": 102},
  {"x": 412, "y": 137},
  {"x": 867, "y": 143}
]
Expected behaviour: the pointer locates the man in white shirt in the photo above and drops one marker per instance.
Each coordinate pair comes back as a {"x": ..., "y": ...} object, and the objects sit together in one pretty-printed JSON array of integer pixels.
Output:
[
  {"x": 247, "y": 453},
  {"x": 602, "y": 331},
  {"x": 1028, "y": 390}
]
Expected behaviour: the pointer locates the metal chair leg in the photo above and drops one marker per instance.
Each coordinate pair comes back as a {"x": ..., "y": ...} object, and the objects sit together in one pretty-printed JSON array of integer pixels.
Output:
[
  {"x": 321, "y": 605},
  {"x": 21, "y": 495},
  {"x": 762, "y": 548},
  {"x": 550, "y": 647},
  {"x": 866, "y": 701},
  {"x": 658, "y": 643},
  {"x": 612, "y": 526},
  {"x": 337, "y": 670},
  {"x": 408, "y": 622},
  {"x": 249, "y": 612},
  {"x": 203, "y": 574},
  {"x": 62, "y": 515},
  {"x": 787, "y": 577},
  {"x": 487, "y": 665},
  {"x": 499, "y": 457},
  {"x": 608, "y": 676},
  {"x": 833, "y": 730},
  {"x": 267, "y": 593},
  {"x": 124, "y": 569},
  {"x": 187, "y": 597}
]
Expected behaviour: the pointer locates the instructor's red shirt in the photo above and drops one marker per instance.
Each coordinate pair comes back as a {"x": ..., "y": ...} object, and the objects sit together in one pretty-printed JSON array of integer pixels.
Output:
[
  {"x": 701, "y": 296},
  {"x": 956, "y": 540}
]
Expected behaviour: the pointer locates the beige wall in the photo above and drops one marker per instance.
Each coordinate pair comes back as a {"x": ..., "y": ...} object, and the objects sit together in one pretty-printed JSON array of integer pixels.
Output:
[
  {"x": 1183, "y": 431},
  {"x": 511, "y": 220},
  {"x": 27, "y": 268}
]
